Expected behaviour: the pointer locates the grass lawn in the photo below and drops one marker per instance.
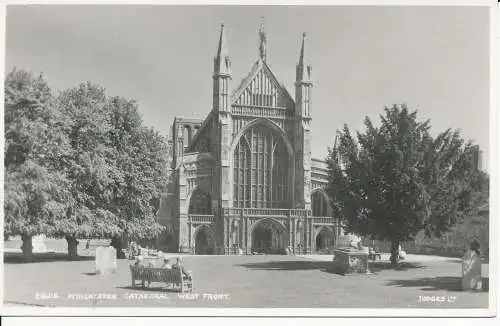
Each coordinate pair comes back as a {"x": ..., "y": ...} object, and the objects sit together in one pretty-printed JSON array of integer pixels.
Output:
[{"x": 247, "y": 282}]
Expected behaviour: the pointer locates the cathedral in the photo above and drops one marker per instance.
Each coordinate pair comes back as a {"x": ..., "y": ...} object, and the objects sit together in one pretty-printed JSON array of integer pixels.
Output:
[{"x": 242, "y": 180}]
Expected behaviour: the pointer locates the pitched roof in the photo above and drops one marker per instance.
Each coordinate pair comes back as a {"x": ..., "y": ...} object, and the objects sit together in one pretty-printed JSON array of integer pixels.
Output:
[{"x": 257, "y": 66}]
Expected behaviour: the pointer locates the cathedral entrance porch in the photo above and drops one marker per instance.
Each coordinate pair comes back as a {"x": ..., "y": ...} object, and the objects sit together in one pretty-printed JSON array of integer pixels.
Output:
[
  {"x": 268, "y": 237},
  {"x": 201, "y": 245},
  {"x": 325, "y": 240}
]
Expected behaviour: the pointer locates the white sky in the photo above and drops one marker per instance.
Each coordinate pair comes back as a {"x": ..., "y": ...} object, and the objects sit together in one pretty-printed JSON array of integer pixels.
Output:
[{"x": 435, "y": 59}]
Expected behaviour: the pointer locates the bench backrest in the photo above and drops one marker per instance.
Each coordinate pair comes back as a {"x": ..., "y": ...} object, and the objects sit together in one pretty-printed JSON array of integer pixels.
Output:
[{"x": 156, "y": 274}]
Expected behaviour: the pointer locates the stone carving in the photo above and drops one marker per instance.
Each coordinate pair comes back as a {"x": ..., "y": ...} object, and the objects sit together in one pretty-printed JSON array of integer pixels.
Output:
[{"x": 350, "y": 261}]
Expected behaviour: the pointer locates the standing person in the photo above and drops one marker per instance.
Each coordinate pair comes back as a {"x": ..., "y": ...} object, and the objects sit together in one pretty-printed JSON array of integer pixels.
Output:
[
  {"x": 180, "y": 266},
  {"x": 87, "y": 246},
  {"x": 401, "y": 253},
  {"x": 471, "y": 268},
  {"x": 371, "y": 254}
]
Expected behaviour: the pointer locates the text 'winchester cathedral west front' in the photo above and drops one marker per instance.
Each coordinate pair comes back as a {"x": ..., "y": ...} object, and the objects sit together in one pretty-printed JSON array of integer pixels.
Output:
[{"x": 243, "y": 180}]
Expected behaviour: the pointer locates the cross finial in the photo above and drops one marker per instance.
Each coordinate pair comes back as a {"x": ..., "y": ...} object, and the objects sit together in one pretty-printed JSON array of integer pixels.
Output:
[{"x": 263, "y": 41}]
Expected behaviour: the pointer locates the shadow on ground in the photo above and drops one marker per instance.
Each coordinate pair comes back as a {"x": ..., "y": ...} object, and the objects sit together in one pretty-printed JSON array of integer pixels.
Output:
[
  {"x": 295, "y": 265},
  {"x": 326, "y": 266},
  {"x": 90, "y": 273},
  {"x": 379, "y": 266},
  {"x": 17, "y": 258},
  {"x": 446, "y": 283}
]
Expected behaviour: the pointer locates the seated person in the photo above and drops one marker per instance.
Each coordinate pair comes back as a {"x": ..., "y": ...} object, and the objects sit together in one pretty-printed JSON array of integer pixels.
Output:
[
  {"x": 180, "y": 266},
  {"x": 151, "y": 264},
  {"x": 139, "y": 261},
  {"x": 166, "y": 263}
]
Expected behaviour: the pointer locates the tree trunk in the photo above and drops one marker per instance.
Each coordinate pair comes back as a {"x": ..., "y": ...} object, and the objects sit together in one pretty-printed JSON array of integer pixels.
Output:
[
  {"x": 27, "y": 248},
  {"x": 118, "y": 245},
  {"x": 394, "y": 252},
  {"x": 72, "y": 247}
]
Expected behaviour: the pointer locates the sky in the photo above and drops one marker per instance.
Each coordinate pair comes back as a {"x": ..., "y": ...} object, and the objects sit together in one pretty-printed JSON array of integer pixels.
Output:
[{"x": 364, "y": 58}]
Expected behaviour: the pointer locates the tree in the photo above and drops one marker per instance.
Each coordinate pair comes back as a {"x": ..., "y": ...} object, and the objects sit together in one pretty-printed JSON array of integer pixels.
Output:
[
  {"x": 81, "y": 165},
  {"x": 395, "y": 181},
  {"x": 141, "y": 157},
  {"x": 116, "y": 169},
  {"x": 90, "y": 167},
  {"x": 35, "y": 144}
]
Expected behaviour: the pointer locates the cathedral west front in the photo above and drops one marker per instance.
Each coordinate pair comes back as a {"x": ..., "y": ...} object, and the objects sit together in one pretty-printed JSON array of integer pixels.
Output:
[{"x": 243, "y": 180}]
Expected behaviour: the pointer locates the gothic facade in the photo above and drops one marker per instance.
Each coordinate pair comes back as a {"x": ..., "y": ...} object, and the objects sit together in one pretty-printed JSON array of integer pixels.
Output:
[{"x": 243, "y": 179}]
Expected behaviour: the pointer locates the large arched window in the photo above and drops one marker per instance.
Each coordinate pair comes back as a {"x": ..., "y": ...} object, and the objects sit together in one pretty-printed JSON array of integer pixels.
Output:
[
  {"x": 319, "y": 204},
  {"x": 200, "y": 203},
  {"x": 261, "y": 170}
]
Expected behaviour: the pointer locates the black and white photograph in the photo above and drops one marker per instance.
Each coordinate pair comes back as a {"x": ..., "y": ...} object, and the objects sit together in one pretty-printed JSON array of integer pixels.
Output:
[{"x": 250, "y": 156}]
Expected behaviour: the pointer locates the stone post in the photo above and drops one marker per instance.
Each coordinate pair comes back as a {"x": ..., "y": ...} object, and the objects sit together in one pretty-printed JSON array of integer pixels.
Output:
[
  {"x": 248, "y": 235},
  {"x": 183, "y": 212}
]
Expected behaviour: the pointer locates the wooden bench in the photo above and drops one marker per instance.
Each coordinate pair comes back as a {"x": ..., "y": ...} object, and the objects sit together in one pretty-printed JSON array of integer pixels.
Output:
[{"x": 172, "y": 276}]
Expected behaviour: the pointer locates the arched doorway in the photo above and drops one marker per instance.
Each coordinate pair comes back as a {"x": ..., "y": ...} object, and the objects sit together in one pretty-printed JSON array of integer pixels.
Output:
[
  {"x": 268, "y": 237},
  {"x": 203, "y": 241},
  {"x": 325, "y": 240}
]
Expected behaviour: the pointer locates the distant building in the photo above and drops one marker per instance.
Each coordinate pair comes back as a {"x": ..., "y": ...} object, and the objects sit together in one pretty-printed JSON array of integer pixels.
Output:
[
  {"x": 478, "y": 157},
  {"x": 243, "y": 178}
]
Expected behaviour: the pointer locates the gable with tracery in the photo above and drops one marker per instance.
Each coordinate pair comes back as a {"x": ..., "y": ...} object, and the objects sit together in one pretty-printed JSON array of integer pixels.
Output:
[{"x": 260, "y": 95}]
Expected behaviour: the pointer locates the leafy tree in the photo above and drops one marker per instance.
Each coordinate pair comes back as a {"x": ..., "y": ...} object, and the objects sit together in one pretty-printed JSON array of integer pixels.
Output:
[
  {"x": 90, "y": 167},
  {"x": 394, "y": 181},
  {"x": 141, "y": 157},
  {"x": 81, "y": 165},
  {"x": 116, "y": 168},
  {"x": 35, "y": 144}
]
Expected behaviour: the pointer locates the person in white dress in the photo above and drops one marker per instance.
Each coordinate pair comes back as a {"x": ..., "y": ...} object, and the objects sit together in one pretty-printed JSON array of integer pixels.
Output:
[
  {"x": 402, "y": 253},
  {"x": 471, "y": 268}
]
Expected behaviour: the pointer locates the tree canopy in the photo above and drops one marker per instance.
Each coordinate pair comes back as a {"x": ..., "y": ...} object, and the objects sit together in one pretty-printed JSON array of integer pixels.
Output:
[
  {"x": 35, "y": 142},
  {"x": 393, "y": 181},
  {"x": 80, "y": 164}
]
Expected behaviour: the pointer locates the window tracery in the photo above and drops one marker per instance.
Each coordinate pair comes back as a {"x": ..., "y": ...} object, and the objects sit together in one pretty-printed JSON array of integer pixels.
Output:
[{"x": 261, "y": 170}]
